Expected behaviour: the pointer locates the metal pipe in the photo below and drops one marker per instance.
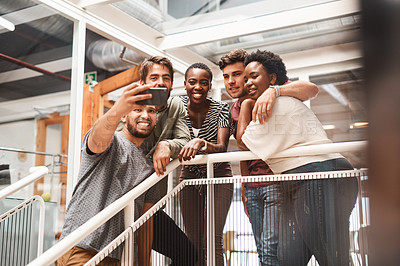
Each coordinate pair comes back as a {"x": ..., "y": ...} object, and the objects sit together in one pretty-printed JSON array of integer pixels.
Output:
[
  {"x": 32, "y": 152},
  {"x": 33, "y": 67}
]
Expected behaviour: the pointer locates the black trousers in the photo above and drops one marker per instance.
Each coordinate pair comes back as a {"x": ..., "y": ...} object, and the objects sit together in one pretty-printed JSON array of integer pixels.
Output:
[{"x": 172, "y": 242}]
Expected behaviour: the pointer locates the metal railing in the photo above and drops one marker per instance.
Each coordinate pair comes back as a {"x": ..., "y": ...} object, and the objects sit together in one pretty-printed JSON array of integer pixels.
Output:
[
  {"x": 126, "y": 201},
  {"x": 36, "y": 173},
  {"x": 16, "y": 229},
  {"x": 16, "y": 225},
  {"x": 127, "y": 234}
]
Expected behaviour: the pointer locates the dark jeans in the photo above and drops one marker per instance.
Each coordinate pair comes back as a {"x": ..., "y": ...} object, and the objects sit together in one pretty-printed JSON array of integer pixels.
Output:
[
  {"x": 315, "y": 216},
  {"x": 193, "y": 201},
  {"x": 171, "y": 241}
]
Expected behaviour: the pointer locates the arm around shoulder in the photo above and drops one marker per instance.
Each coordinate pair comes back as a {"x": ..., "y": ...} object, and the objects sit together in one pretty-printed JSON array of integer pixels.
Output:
[{"x": 300, "y": 89}]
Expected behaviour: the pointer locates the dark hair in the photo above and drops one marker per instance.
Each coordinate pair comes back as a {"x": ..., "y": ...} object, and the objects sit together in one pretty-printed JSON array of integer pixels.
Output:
[
  {"x": 201, "y": 66},
  {"x": 272, "y": 63},
  {"x": 237, "y": 55},
  {"x": 147, "y": 63}
]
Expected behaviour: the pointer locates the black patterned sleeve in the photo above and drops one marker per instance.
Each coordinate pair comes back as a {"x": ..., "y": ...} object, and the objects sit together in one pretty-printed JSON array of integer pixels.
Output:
[{"x": 224, "y": 115}]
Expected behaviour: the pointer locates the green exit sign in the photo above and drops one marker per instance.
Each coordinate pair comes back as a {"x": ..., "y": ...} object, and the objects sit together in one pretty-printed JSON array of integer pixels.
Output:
[{"x": 91, "y": 78}]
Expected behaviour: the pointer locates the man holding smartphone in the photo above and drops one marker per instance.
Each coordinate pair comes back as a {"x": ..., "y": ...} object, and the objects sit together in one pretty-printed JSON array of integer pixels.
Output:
[
  {"x": 112, "y": 164},
  {"x": 171, "y": 132},
  {"x": 169, "y": 136}
]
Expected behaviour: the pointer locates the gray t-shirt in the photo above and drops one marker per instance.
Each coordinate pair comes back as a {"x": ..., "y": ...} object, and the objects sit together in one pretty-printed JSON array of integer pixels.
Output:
[{"x": 104, "y": 178}]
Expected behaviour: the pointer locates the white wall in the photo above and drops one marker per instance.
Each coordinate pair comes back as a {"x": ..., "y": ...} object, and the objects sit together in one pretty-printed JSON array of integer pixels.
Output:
[
  {"x": 18, "y": 135},
  {"x": 22, "y": 135}
]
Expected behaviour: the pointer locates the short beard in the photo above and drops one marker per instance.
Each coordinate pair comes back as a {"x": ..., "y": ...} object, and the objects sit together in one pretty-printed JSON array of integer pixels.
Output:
[
  {"x": 136, "y": 133},
  {"x": 244, "y": 93}
]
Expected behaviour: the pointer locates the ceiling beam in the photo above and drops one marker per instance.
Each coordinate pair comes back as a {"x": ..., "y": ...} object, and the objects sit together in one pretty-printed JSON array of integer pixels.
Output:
[
  {"x": 94, "y": 3},
  {"x": 141, "y": 38},
  {"x": 239, "y": 12},
  {"x": 259, "y": 24},
  {"x": 321, "y": 56},
  {"x": 27, "y": 15},
  {"x": 116, "y": 25}
]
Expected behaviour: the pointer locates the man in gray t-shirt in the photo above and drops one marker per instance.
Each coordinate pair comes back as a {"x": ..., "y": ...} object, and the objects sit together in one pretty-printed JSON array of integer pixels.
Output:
[{"x": 112, "y": 164}]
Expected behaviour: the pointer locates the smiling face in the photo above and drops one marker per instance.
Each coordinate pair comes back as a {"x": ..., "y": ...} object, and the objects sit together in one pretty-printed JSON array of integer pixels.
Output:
[
  {"x": 197, "y": 84},
  {"x": 158, "y": 76},
  {"x": 234, "y": 80},
  {"x": 141, "y": 121},
  {"x": 257, "y": 80}
]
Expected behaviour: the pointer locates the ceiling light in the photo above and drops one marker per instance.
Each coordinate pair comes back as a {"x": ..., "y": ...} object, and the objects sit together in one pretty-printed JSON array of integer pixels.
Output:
[
  {"x": 7, "y": 24},
  {"x": 327, "y": 127},
  {"x": 358, "y": 125}
]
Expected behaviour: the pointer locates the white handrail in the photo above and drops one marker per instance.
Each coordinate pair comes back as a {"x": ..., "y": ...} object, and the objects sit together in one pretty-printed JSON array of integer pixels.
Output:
[
  {"x": 91, "y": 225},
  {"x": 96, "y": 221},
  {"x": 293, "y": 152},
  {"x": 36, "y": 173}
]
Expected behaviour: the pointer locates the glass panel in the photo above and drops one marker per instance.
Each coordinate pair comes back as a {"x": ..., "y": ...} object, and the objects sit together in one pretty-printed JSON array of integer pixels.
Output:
[
  {"x": 35, "y": 82},
  {"x": 36, "y": 55},
  {"x": 288, "y": 40},
  {"x": 203, "y": 13},
  {"x": 341, "y": 108}
]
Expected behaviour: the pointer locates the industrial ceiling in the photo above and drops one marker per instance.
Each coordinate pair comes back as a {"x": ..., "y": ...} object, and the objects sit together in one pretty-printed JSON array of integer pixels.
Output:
[{"x": 319, "y": 41}]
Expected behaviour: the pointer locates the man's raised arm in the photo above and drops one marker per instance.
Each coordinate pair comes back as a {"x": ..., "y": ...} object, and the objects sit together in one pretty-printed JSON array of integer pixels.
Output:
[{"x": 103, "y": 129}]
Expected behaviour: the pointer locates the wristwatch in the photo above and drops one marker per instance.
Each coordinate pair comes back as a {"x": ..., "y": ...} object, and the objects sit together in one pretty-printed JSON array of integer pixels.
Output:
[{"x": 277, "y": 90}]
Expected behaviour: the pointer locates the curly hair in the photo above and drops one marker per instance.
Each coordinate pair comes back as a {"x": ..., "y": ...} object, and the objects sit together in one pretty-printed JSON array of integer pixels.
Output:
[
  {"x": 237, "y": 55},
  {"x": 271, "y": 62},
  {"x": 201, "y": 66},
  {"x": 148, "y": 62}
]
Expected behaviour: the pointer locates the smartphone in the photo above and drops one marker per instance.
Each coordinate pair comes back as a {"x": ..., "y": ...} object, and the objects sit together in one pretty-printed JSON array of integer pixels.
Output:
[{"x": 160, "y": 96}]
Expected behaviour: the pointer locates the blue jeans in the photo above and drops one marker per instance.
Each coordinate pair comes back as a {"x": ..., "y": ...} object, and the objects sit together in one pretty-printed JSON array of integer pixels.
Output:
[
  {"x": 263, "y": 208},
  {"x": 315, "y": 216}
]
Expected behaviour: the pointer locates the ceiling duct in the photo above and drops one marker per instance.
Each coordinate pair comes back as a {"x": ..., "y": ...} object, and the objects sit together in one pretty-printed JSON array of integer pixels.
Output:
[
  {"x": 8, "y": 6},
  {"x": 105, "y": 54}
]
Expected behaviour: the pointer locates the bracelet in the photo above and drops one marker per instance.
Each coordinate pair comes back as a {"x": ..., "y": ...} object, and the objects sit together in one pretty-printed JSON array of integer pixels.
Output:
[{"x": 277, "y": 90}]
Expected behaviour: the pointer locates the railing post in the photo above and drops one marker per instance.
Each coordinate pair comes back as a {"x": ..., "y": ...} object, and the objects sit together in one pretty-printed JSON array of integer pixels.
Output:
[
  {"x": 42, "y": 209},
  {"x": 210, "y": 216},
  {"x": 129, "y": 218}
]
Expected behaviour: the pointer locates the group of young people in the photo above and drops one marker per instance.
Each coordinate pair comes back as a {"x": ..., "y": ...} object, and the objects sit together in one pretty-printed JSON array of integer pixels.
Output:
[{"x": 291, "y": 221}]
